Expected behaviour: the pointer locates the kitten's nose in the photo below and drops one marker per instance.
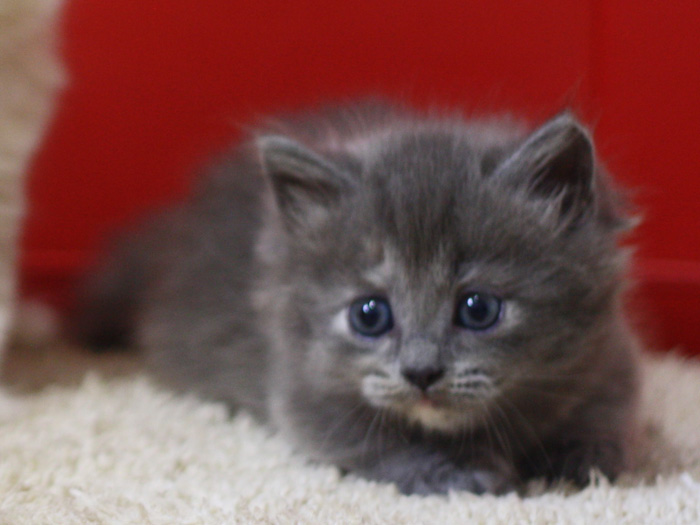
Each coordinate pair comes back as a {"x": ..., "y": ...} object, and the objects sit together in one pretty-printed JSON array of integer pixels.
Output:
[{"x": 423, "y": 378}]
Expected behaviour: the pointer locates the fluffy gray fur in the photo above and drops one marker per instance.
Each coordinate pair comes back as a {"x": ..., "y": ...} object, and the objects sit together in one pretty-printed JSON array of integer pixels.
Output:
[{"x": 242, "y": 294}]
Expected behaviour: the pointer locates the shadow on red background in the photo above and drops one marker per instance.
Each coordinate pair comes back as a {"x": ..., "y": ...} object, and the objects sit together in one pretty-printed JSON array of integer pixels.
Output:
[{"x": 157, "y": 86}]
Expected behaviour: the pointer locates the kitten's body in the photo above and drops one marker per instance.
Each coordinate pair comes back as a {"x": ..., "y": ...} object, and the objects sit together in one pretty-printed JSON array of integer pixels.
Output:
[{"x": 244, "y": 294}]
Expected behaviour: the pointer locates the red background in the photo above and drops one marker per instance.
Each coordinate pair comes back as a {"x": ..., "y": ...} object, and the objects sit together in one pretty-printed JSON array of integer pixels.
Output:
[{"x": 159, "y": 85}]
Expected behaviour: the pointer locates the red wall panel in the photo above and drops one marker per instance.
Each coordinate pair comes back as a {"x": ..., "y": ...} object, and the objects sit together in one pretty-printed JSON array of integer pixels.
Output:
[
  {"x": 157, "y": 86},
  {"x": 646, "y": 78}
]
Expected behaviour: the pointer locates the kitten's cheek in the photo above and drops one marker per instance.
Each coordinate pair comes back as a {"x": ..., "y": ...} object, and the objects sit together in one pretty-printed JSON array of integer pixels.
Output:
[
  {"x": 370, "y": 389},
  {"x": 379, "y": 390}
]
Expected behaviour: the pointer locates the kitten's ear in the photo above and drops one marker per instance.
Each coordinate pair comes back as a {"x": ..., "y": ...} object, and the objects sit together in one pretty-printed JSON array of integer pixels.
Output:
[
  {"x": 305, "y": 185},
  {"x": 556, "y": 161}
]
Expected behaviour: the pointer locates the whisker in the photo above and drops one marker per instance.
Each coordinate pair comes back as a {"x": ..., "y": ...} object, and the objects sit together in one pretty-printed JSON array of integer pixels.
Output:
[
  {"x": 368, "y": 435},
  {"x": 341, "y": 424},
  {"x": 535, "y": 439},
  {"x": 500, "y": 420}
]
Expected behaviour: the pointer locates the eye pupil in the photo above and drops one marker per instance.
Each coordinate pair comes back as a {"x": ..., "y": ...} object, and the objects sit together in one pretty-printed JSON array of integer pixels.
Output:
[
  {"x": 371, "y": 316},
  {"x": 370, "y": 313},
  {"x": 478, "y": 311}
]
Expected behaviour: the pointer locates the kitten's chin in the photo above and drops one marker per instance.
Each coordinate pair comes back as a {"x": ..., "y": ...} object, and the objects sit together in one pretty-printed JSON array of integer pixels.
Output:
[{"x": 432, "y": 416}]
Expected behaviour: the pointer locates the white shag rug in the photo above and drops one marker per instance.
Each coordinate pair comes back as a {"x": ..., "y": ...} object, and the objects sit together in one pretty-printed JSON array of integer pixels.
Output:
[{"x": 121, "y": 450}]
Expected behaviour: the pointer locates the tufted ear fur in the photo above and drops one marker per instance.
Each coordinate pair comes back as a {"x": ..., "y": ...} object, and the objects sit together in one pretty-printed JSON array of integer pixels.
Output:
[
  {"x": 556, "y": 161},
  {"x": 306, "y": 186}
]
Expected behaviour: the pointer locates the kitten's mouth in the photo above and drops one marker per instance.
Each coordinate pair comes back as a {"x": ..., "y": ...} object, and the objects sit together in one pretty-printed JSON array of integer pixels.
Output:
[
  {"x": 435, "y": 401},
  {"x": 427, "y": 401}
]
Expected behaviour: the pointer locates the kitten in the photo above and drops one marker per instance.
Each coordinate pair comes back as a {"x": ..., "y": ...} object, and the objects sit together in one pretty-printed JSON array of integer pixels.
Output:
[{"x": 434, "y": 302}]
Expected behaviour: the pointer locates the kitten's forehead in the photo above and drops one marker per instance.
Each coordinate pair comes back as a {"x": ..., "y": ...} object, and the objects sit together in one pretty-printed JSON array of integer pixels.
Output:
[
  {"x": 427, "y": 192},
  {"x": 393, "y": 266},
  {"x": 419, "y": 156}
]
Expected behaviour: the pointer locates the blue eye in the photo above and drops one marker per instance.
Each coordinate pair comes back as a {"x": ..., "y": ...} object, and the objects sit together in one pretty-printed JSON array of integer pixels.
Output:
[
  {"x": 478, "y": 311},
  {"x": 371, "y": 316}
]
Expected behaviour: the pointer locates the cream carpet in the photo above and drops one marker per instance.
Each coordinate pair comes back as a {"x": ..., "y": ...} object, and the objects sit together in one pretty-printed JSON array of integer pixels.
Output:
[{"x": 101, "y": 444}]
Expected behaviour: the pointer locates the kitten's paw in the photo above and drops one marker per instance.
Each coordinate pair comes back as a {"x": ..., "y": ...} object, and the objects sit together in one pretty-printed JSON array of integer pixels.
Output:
[
  {"x": 575, "y": 461},
  {"x": 447, "y": 477},
  {"x": 481, "y": 481}
]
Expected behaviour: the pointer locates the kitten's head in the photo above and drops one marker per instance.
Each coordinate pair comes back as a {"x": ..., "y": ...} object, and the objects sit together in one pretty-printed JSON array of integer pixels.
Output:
[{"x": 429, "y": 268}]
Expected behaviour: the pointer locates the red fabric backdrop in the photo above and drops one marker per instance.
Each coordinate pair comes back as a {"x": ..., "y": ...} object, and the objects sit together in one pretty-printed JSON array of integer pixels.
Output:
[{"x": 158, "y": 85}]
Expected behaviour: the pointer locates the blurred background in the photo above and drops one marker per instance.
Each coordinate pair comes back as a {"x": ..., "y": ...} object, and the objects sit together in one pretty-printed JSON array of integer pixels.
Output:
[{"x": 158, "y": 86}]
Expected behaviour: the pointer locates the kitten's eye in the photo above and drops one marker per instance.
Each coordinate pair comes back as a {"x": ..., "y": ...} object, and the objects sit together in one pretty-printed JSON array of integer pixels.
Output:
[
  {"x": 478, "y": 311},
  {"x": 371, "y": 316}
]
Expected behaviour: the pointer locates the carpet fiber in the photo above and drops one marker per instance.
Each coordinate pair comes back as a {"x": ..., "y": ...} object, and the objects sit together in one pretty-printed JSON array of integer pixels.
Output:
[{"x": 108, "y": 449}]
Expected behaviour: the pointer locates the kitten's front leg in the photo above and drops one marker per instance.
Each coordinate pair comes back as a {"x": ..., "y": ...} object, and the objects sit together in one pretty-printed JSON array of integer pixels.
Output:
[
  {"x": 419, "y": 471},
  {"x": 600, "y": 435},
  {"x": 574, "y": 459}
]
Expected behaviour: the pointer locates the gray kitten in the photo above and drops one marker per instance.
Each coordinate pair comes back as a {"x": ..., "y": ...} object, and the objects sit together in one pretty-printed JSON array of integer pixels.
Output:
[{"x": 434, "y": 302}]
